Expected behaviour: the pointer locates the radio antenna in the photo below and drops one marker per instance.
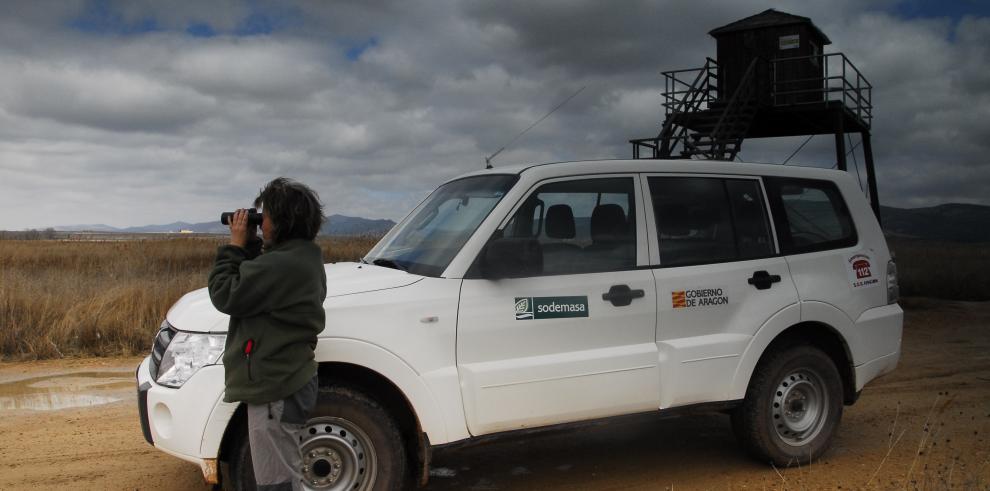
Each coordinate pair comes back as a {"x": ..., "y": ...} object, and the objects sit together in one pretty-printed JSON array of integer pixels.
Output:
[{"x": 488, "y": 159}]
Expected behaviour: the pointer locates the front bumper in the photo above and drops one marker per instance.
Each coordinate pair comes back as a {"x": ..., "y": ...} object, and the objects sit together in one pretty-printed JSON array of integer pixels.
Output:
[{"x": 188, "y": 422}]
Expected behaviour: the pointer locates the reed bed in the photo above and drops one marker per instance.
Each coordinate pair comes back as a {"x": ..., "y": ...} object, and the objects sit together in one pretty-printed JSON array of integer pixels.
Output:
[
  {"x": 75, "y": 298},
  {"x": 945, "y": 270},
  {"x": 107, "y": 298}
]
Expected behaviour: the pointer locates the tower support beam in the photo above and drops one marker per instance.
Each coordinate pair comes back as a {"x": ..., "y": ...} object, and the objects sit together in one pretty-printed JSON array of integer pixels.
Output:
[
  {"x": 840, "y": 140},
  {"x": 871, "y": 175}
]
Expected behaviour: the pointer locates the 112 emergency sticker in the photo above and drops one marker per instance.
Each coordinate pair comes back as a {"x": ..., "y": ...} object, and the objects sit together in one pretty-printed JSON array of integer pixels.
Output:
[{"x": 860, "y": 271}]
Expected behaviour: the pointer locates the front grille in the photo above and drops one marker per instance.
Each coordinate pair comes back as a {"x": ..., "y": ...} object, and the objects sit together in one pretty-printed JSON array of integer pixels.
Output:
[{"x": 162, "y": 339}]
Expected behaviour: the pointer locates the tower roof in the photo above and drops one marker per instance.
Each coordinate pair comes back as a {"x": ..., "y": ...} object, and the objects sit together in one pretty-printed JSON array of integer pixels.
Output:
[{"x": 767, "y": 18}]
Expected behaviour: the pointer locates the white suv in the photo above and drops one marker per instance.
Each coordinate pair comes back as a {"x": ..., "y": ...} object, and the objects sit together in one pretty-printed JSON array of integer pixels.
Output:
[{"x": 546, "y": 294}]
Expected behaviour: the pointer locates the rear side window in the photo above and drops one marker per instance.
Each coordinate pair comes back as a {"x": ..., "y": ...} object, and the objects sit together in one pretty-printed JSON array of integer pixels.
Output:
[
  {"x": 810, "y": 215},
  {"x": 704, "y": 220}
]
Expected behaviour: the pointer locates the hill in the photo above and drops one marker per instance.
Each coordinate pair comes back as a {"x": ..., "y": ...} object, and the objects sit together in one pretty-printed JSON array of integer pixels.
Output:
[
  {"x": 336, "y": 225},
  {"x": 953, "y": 222},
  {"x": 345, "y": 225}
]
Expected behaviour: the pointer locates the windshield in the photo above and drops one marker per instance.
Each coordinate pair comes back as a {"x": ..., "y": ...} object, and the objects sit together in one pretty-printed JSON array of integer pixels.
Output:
[{"x": 429, "y": 238}]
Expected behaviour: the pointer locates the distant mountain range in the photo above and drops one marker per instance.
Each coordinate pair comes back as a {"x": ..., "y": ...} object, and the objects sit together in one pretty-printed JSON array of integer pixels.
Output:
[
  {"x": 335, "y": 225},
  {"x": 951, "y": 222}
]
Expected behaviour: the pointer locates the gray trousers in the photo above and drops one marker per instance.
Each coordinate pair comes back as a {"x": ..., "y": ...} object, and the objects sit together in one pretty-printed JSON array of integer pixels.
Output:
[{"x": 273, "y": 432}]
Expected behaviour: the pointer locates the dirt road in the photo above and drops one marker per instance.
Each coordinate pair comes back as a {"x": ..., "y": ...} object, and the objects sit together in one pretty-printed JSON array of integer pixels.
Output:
[{"x": 925, "y": 426}]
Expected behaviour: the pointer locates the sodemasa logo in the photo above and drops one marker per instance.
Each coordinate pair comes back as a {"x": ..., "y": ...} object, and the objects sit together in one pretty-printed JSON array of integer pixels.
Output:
[{"x": 550, "y": 307}]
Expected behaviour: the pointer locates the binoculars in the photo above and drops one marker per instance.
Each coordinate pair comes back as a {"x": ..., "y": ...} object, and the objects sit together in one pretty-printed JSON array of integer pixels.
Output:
[{"x": 254, "y": 218}]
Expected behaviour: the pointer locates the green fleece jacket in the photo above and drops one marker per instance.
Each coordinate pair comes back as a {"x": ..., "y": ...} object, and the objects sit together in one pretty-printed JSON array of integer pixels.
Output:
[{"x": 275, "y": 303}]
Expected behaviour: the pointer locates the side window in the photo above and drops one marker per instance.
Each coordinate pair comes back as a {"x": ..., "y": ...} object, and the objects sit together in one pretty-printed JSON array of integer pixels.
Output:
[
  {"x": 709, "y": 220},
  {"x": 810, "y": 215},
  {"x": 583, "y": 226},
  {"x": 749, "y": 215}
]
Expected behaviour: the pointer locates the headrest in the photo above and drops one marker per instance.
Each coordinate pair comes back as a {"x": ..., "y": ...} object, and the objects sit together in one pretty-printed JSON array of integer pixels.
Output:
[
  {"x": 560, "y": 222},
  {"x": 608, "y": 222}
]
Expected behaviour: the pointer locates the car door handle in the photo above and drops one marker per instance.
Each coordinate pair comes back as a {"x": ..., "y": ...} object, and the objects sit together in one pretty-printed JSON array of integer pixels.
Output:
[
  {"x": 763, "y": 280},
  {"x": 622, "y": 295}
]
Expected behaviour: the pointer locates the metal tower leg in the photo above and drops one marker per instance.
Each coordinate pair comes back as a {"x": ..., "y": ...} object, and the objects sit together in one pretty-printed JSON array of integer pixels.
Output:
[
  {"x": 840, "y": 141},
  {"x": 871, "y": 176}
]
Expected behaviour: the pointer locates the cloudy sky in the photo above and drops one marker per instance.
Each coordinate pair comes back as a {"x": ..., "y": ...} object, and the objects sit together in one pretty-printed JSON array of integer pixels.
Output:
[{"x": 140, "y": 112}]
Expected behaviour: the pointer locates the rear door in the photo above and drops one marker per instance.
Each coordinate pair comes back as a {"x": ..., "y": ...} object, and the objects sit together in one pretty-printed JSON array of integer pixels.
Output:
[
  {"x": 829, "y": 261},
  {"x": 719, "y": 279},
  {"x": 549, "y": 348}
]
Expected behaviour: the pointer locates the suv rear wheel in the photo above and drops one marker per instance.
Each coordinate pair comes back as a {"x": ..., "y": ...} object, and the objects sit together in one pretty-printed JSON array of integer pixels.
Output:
[{"x": 792, "y": 408}]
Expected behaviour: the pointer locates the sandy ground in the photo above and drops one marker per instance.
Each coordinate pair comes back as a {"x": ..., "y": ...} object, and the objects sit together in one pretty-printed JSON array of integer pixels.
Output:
[{"x": 925, "y": 426}]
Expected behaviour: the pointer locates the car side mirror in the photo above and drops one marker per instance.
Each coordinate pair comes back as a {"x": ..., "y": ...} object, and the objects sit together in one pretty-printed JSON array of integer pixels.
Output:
[{"x": 512, "y": 258}]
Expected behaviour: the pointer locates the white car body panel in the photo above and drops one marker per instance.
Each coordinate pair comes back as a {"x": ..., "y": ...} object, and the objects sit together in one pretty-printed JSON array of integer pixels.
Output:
[
  {"x": 195, "y": 313},
  {"x": 416, "y": 387},
  {"x": 758, "y": 344},
  {"x": 707, "y": 342},
  {"x": 422, "y": 366},
  {"x": 565, "y": 369},
  {"x": 415, "y": 325},
  {"x": 180, "y": 417},
  {"x": 524, "y": 373}
]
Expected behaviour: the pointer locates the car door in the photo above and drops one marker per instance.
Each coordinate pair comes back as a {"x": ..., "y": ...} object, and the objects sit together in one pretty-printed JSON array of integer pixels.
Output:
[
  {"x": 719, "y": 279},
  {"x": 576, "y": 340}
]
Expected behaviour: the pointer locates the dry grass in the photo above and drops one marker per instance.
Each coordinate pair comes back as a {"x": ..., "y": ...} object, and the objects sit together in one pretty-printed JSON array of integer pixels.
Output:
[
  {"x": 952, "y": 271},
  {"x": 69, "y": 298},
  {"x": 73, "y": 298}
]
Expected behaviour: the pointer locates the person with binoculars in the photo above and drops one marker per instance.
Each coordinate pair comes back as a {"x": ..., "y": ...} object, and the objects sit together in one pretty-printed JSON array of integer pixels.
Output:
[{"x": 273, "y": 288}]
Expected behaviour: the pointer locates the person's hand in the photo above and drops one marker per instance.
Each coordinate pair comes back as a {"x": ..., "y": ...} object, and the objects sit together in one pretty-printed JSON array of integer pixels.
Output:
[{"x": 240, "y": 231}]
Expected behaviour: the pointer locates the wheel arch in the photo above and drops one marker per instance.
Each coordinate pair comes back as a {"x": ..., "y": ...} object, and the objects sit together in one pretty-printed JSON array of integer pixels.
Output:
[
  {"x": 818, "y": 334},
  {"x": 392, "y": 399},
  {"x": 381, "y": 375}
]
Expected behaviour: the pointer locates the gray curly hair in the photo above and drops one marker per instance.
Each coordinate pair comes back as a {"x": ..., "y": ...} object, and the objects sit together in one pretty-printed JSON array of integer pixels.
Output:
[{"x": 294, "y": 209}]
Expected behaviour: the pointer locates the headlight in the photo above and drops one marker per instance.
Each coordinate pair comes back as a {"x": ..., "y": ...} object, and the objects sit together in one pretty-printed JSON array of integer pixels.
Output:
[{"x": 187, "y": 353}]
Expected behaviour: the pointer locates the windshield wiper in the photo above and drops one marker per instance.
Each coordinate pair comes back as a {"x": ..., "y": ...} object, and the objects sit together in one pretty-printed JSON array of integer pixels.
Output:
[{"x": 387, "y": 263}]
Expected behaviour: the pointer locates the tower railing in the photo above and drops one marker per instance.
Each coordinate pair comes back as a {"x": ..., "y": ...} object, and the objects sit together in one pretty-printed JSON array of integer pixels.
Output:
[
  {"x": 691, "y": 88},
  {"x": 839, "y": 80},
  {"x": 686, "y": 91}
]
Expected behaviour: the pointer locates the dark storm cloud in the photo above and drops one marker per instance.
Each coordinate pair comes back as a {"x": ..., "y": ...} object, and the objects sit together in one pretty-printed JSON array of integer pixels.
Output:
[
  {"x": 605, "y": 39},
  {"x": 144, "y": 111}
]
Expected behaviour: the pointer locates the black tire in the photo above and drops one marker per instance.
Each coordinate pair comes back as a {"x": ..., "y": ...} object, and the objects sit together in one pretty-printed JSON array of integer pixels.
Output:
[
  {"x": 792, "y": 408},
  {"x": 238, "y": 473},
  {"x": 383, "y": 462},
  {"x": 342, "y": 415}
]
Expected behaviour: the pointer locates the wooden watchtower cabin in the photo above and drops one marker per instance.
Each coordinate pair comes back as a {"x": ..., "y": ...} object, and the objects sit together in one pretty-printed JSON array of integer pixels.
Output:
[{"x": 771, "y": 79}]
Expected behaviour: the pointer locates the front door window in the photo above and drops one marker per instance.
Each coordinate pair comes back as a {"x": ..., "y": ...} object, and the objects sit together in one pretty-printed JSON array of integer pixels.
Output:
[{"x": 583, "y": 226}]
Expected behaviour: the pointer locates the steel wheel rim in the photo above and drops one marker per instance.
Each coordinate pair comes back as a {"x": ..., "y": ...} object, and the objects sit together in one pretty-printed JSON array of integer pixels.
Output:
[
  {"x": 800, "y": 407},
  {"x": 336, "y": 456}
]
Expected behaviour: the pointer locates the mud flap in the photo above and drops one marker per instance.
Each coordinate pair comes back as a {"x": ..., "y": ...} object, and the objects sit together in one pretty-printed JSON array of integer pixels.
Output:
[{"x": 425, "y": 455}]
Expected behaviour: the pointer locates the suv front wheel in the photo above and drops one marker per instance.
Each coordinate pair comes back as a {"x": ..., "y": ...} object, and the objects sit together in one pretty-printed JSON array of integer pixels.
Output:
[
  {"x": 792, "y": 408},
  {"x": 351, "y": 443}
]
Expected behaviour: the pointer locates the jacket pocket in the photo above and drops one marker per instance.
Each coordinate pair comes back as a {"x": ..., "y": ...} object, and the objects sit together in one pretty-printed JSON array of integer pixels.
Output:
[{"x": 250, "y": 346}]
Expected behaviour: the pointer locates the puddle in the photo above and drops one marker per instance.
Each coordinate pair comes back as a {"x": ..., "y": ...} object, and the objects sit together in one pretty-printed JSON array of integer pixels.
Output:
[{"x": 53, "y": 392}]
